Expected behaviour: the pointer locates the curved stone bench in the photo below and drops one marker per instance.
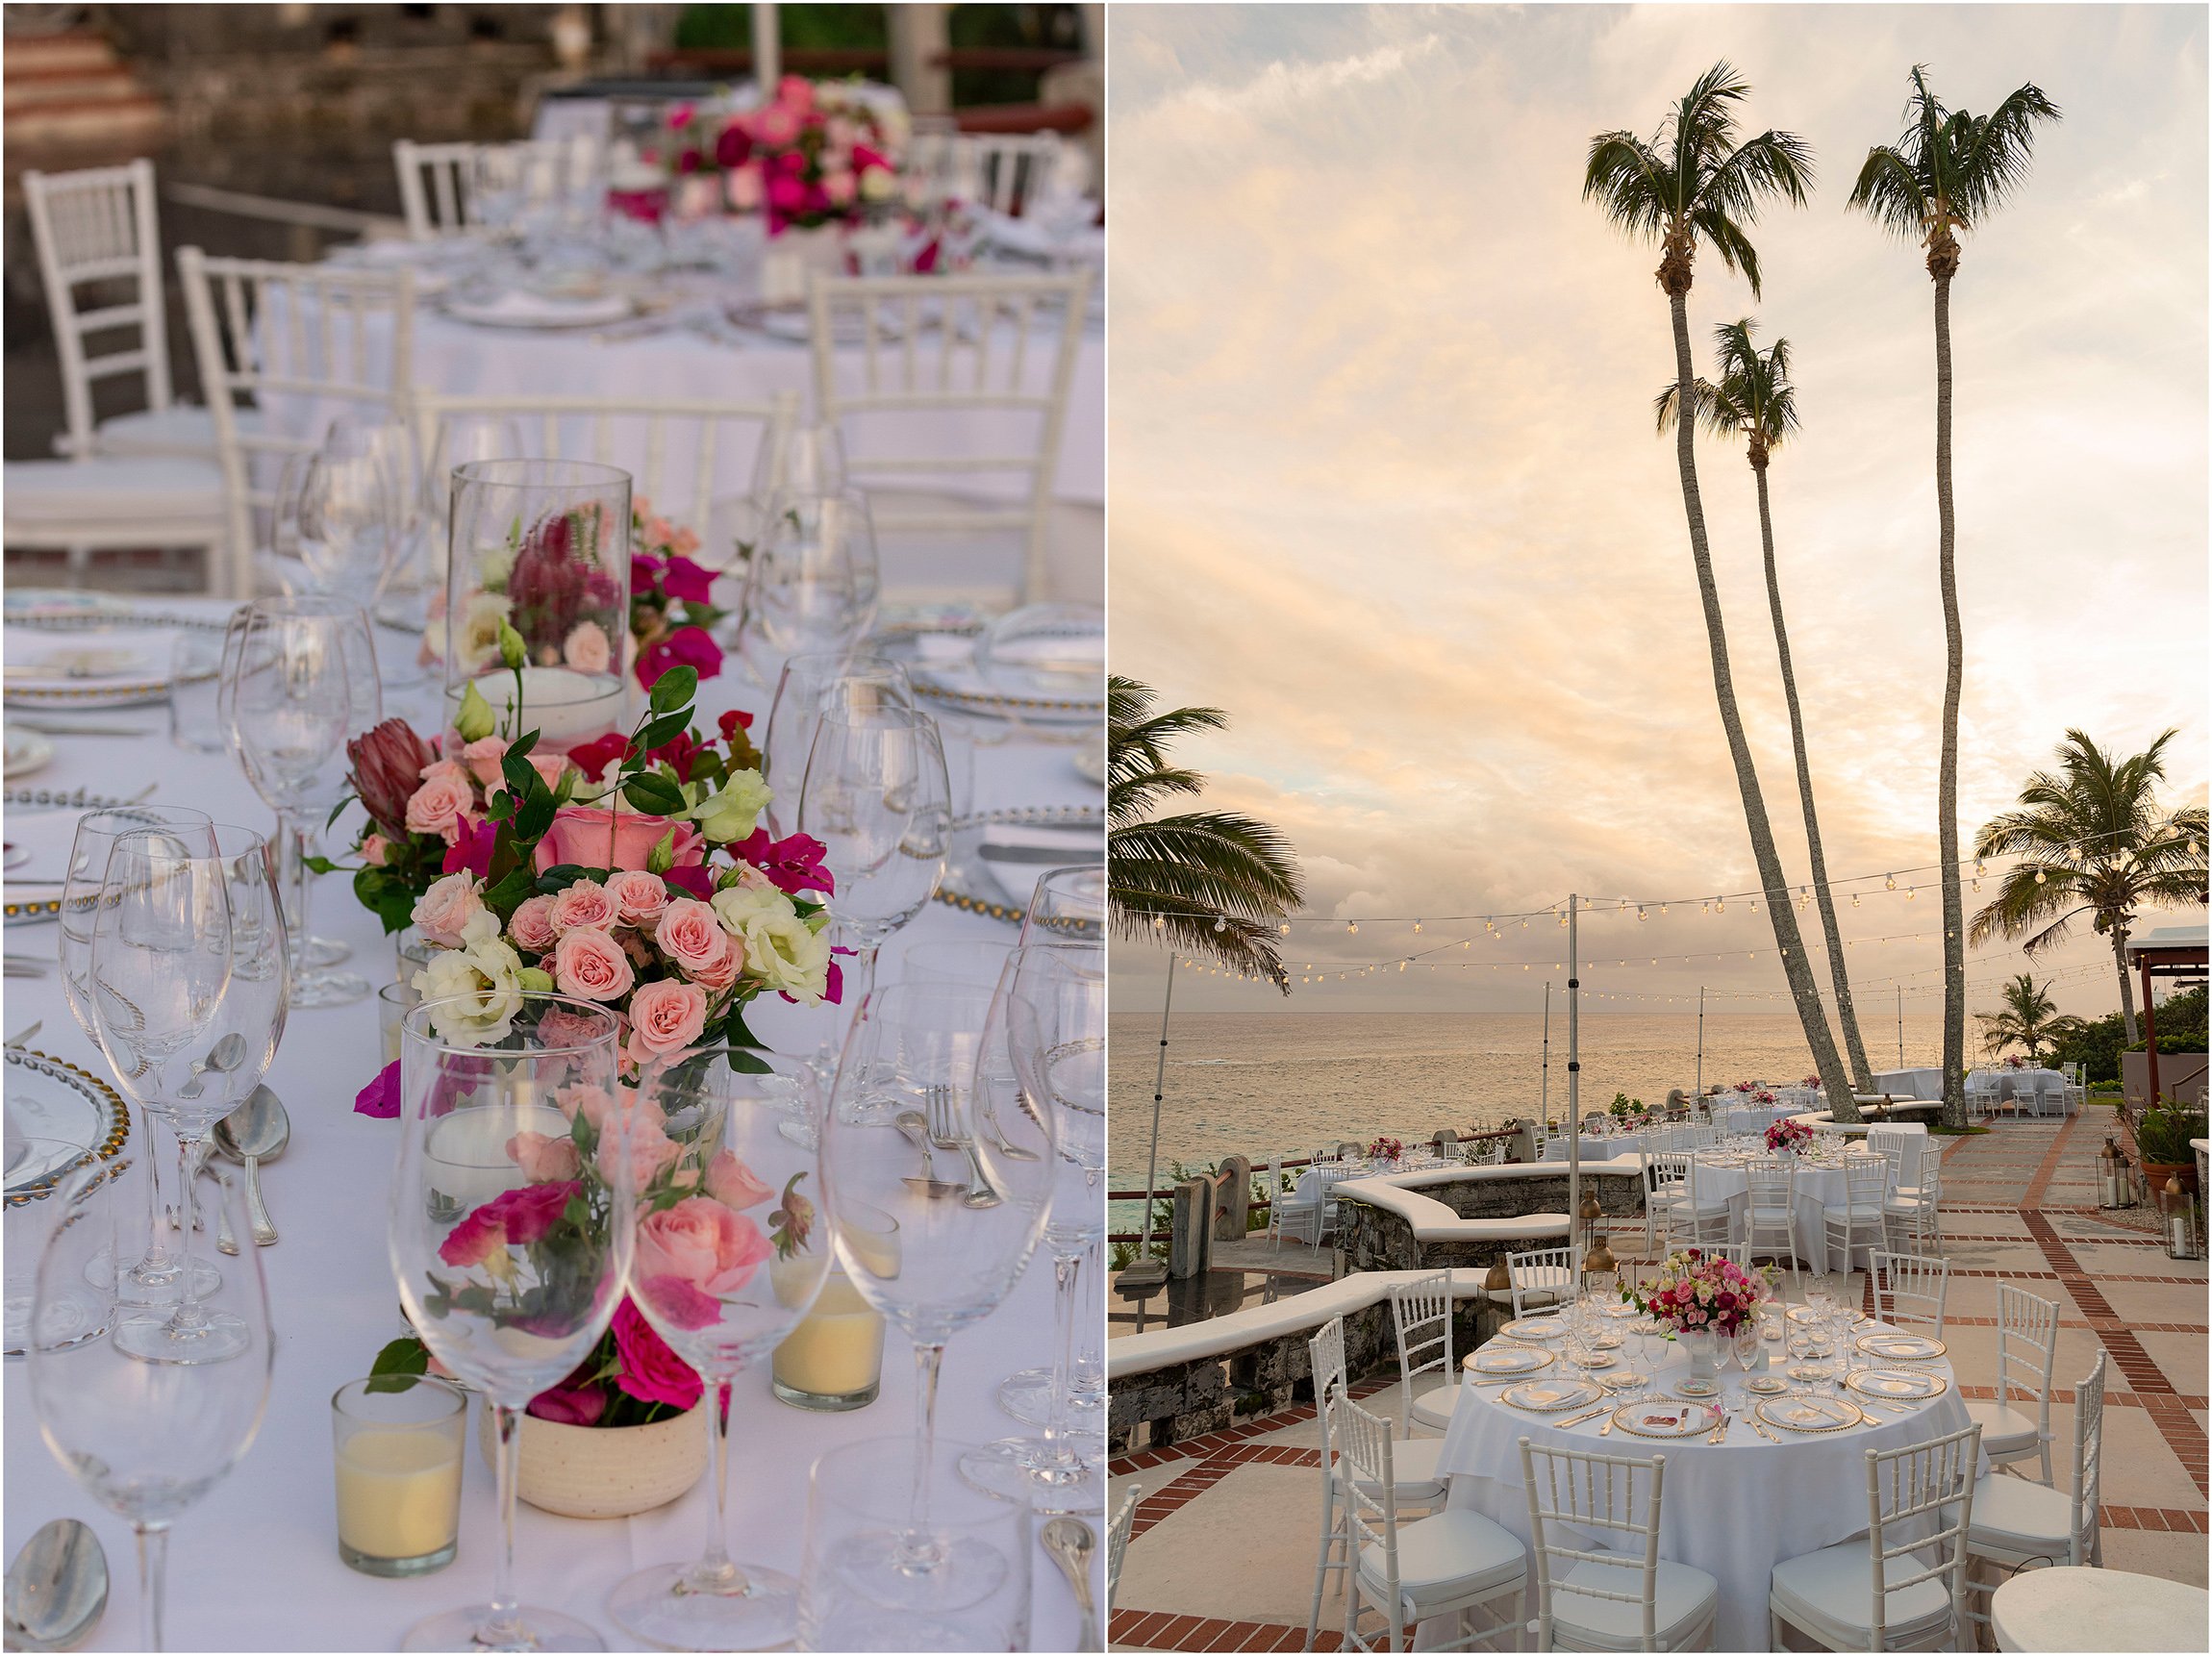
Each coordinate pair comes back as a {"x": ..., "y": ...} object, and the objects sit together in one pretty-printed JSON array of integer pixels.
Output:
[
  {"x": 1454, "y": 1218},
  {"x": 1897, "y": 1112}
]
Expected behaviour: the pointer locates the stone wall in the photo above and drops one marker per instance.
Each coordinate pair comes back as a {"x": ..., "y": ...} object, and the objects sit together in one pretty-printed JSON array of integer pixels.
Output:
[{"x": 1377, "y": 1238}]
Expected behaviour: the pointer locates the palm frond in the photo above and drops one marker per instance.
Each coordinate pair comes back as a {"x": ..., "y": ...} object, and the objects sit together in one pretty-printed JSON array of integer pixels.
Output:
[
  {"x": 1729, "y": 241},
  {"x": 1629, "y": 183},
  {"x": 1716, "y": 414},
  {"x": 1994, "y": 152},
  {"x": 1889, "y": 191}
]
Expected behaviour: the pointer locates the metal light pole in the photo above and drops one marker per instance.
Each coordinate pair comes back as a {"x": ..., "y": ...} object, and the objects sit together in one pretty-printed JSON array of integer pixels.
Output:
[
  {"x": 1147, "y": 1271},
  {"x": 1543, "y": 1105},
  {"x": 1574, "y": 1089},
  {"x": 1901, "y": 1026},
  {"x": 1700, "y": 1041},
  {"x": 768, "y": 50}
]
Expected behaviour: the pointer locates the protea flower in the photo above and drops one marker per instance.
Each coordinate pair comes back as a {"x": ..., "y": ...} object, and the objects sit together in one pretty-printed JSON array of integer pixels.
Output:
[{"x": 388, "y": 765}]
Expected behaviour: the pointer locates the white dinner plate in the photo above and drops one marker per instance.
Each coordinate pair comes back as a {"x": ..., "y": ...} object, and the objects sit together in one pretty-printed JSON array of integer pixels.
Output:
[
  {"x": 27, "y": 751},
  {"x": 1664, "y": 1418},
  {"x": 1496, "y": 1359},
  {"x": 47, "y": 1098},
  {"x": 1809, "y": 1413},
  {"x": 1533, "y": 1328},
  {"x": 536, "y": 311},
  {"x": 1550, "y": 1396},
  {"x": 1904, "y": 1386},
  {"x": 1901, "y": 1347}
]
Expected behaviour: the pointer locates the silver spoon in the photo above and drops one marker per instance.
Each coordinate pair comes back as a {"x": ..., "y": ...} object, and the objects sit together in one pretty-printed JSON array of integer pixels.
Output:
[
  {"x": 225, "y": 1243},
  {"x": 57, "y": 1587},
  {"x": 256, "y": 1131},
  {"x": 1071, "y": 1543},
  {"x": 225, "y": 1056},
  {"x": 915, "y": 1127}
]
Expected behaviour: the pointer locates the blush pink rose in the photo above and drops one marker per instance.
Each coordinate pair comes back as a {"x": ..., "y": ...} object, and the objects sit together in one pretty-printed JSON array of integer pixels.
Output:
[
  {"x": 701, "y": 1243},
  {"x": 439, "y": 768},
  {"x": 440, "y": 803},
  {"x": 691, "y": 935},
  {"x": 596, "y": 838},
  {"x": 666, "y": 1016},
  {"x": 443, "y": 911},
  {"x": 639, "y": 897},
  {"x": 531, "y": 927},
  {"x": 586, "y": 648},
  {"x": 589, "y": 965},
  {"x": 597, "y": 1105},
  {"x": 733, "y": 1184},
  {"x": 549, "y": 766},
  {"x": 719, "y": 974},
  {"x": 375, "y": 849},
  {"x": 586, "y": 903},
  {"x": 652, "y": 1151},
  {"x": 543, "y": 1159},
  {"x": 482, "y": 757}
]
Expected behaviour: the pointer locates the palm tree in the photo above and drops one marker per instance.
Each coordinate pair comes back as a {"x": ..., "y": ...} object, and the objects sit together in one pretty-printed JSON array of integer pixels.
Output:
[
  {"x": 2030, "y": 1020},
  {"x": 1756, "y": 399},
  {"x": 1690, "y": 183},
  {"x": 1217, "y": 883},
  {"x": 1948, "y": 172},
  {"x": 2092, "y": 839}
]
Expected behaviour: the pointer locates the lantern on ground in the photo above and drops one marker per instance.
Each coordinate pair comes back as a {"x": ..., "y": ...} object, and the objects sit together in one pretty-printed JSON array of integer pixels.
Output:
[
  {"x": 2112, "y": 1186},
  {"x": 2180, "y": 1214},
  {"x": 1597, "y": 1257}
]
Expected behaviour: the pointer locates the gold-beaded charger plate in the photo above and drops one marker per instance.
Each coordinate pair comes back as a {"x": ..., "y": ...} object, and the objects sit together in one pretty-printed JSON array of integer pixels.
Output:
[
  {"x": 1628, "y": 1308},
  {"x": 1905, "y": 1386},
  {"x": 1809, "y": 1413},
  {"x": 27, "y": 904},
  {"x": 1901, "y": 1347},
  {"x": 50, "y": 1098},
  {"x": 1607, "y": 1343},
  {"x": 1808, "y": 1373},
  {"x": 1805, "y": 1315},
  {"x": 1551, "y": 1396},
  {"x": 1658, "y": 1419},
  {"x": 1766, "y": 1384},
  {"x": 1533, "y": 1328},
  {"x": 1508, "y": 1360},
  {"x": 971, "y": 884}
]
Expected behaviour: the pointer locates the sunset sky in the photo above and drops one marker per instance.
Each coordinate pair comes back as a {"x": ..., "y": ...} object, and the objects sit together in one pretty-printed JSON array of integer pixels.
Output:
[{"x": 1385, "y": 485}]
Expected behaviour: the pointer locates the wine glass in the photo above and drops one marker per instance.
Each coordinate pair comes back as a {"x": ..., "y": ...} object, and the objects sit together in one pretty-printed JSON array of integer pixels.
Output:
[
  {"x": 338, "y": 514},
  {"x": 1050, "y": 1004},
  {"x": 510, "y": 1236},
  {"x": 1067, "y": 906},
  {"x": 299, "y": 682},
  {"x": 155, "y": 1276},
  {"x": 811, "y": 583},
  {"x": 147, "y": 1439},
  {"x": 722, "y": 1274},
  {"x": 875, "y": 793},
  {"x": 414, "y": 570},
  {"x": 809, "y": 683},
  {"x": 905, "y": 1111}
]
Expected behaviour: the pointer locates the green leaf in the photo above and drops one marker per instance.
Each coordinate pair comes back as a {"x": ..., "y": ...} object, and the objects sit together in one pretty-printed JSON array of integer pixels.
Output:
[
  {"x": 398, "y": 1364},
  {"x": 735, "y": 1034},
  {"x": 654, "y": 794},
  {"x": 745, "y": 1064},
  {"x": 662, "y": 731},
  {"x": 522, "y": 778},
  {"x": 520, "y": 746},
  {"x": 535, "y": 817},
  {"x": 674, "y": 689},
  {"x": 344, "y": 799},
  {"x": 560, "y": 876},
  {"x": 508, "y": 895},
  {"x": 319, "y": 865}
]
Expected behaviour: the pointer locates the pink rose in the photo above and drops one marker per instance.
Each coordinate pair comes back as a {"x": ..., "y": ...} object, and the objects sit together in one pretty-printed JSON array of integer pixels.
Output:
[
  {"x": 375, "y": 849},
  {"x": 531, "y": 928},
  {"x": 482, "y": 757},
  {"x": 666, "y": 1016},
  {"x": 596, "y": 838},
  {"x": 443, "y": 911},
  {"x": 586, "y": 647},
  {"x": 543, "y": 1159},
  {"x": 589, "y": 965},
  {"x": 439, "y": 803},
  {"x": 776, "y": 126},
  {"x": 583, "y": 904},
  {"x": 652, "y": 1152},
  {"x": 795, "y": 93},
  {"x": 651, "y": 1372},
  {"x": 744, "y": 186},
  {"x": 443, "y": 767},
  {"x": 515, "y": 1219},
  {"x": 730, "y": 1182},
  {"x": 839, "y": 188},
  {"x": 701, "y": 1243},
  {"x": 691, "y": 935},
  {"x": 639, "y": 897},
  {"x": 719, "y": 973},
  {"x": 570, "y": 1405},
  {"x": 597, "y": 1105},
  {"x": 549, "y": 766}
]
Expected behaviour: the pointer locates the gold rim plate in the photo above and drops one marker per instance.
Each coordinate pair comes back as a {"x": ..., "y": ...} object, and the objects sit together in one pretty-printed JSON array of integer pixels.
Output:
[
  {"x": 1543, "y": 1360},
  {"x": 1571, "y": 1394},
  {"x": 1865, "y": 1380},
  {"x": 1778, "y": 1412},
  {"x": 1927, "y": 1350},
  {"x": 1628, "y": 1417}
]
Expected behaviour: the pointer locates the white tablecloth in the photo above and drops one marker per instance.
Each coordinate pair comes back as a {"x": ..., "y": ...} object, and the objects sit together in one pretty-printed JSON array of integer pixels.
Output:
[
  {"x": 1820, "y": 1185},
  {"x": 1909, "y": 1083},
  {"x": 1596, "y": 1149},
  {"x": 255, "y": 1565},
  {"x": 1734, "y": 1509}
]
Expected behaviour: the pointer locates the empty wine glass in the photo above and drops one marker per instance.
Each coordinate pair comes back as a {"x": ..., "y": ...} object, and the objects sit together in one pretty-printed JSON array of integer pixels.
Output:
[
  {"x": 148, "y": 1440},
  {"x": 722, "y": 1273},
  {"x": 299, "y": 682},
  {"x": 155, "y": 1276},
  {"x": 510, "y": 1234},
  {"x": 812, "y": 582},
  {"x": 339, "y": 516},
  {"x": 1067, "y": 906},
  {"x": 904, "y": 1113},
  {"x": 809, "y": 683}
]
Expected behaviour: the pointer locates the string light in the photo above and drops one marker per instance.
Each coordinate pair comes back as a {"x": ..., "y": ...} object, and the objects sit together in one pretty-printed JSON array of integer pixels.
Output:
[
  {"x": 1417, "y": 928},
  {"x": 1890, "y": 882},
  {"x": 1354, "y": 926},
  {"x": 1221, "y": 923}
]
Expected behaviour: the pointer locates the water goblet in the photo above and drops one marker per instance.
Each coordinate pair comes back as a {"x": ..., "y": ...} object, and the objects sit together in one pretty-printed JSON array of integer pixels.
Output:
[
  {"x": 812, "y": 582},
  {"x": 809, "y": 684}
]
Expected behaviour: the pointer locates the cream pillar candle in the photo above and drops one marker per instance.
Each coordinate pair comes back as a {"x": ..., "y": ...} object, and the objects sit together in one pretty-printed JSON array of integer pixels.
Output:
[
  {"x": 833, "y": 1360},
  {"x": 399, "y": 1475},
  {"x": 566, "y": 708}
]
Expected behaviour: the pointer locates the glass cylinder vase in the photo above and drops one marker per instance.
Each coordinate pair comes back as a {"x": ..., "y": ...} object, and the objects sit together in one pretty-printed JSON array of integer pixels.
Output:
[{"x": 538, "y": 602}]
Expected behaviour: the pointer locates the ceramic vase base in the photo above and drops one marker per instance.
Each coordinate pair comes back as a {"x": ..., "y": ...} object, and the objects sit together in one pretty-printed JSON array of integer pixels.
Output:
[
  {"x": 538, "y": 1629},
  {"x": 657, "y": 1606},
  {"x": 328, "y": 988},
  {"x": 1008, "y": 1469}
]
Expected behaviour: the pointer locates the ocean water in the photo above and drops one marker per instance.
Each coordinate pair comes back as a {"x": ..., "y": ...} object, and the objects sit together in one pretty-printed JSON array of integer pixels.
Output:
[{"x": 1292, "y": 1081}]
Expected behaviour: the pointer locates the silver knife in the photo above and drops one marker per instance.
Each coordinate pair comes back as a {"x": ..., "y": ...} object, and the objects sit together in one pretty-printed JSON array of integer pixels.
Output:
[
  {"x": 63, "y": 727},
  {"x": 1051, "y": 854}
]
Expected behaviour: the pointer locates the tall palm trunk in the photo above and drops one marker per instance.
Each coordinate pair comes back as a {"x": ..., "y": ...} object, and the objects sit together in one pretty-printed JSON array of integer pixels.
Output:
[
  {"x": 1947, "y": 775},
  {"x": 1862, "y": 1073},
  {"x": 1796, "y": 965},
  {"x": 2126, "y": 984}
]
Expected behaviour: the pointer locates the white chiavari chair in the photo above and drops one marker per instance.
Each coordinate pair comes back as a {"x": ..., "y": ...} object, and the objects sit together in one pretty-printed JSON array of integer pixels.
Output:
[
  {"x": 1420, "y": 1313},
  {"x": 1117, "y": 1542},
  {"x": 2018, "y": 1523},
  {"x": 2027, "y": 1357},
  {"x": 1594, "y": 1525},
  {"x": 1858, "y": 1222},
  {"x": 1910, "y": 1291},
  {"x": 1771, "y": 1209},
  {"x": 432, "y": 186}
]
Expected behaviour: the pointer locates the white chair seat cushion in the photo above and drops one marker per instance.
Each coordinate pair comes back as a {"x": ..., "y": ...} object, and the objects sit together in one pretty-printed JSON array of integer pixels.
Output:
[
  {"x": 154, "y": 490},
  {"x": 2015, "y": 1519},
  {"x": 2005, "y": 1429},
  {"x": 184, "y": 429},
  {"x": 1830, "y": 1593},
  {"x": 1451, "y": 1556},
  {"x": 1434, "y": 1407},
  {"x": 1413, "y": 1464},
  {"x": 1771, "y": 1216},
  {"x": 1682, "y": 1597},
  {"x": 1837, "y": 1215}
]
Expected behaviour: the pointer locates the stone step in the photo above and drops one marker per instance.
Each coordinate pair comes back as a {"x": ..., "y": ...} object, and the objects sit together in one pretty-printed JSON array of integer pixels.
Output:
[
  {"x": 32, "y": 54},
  {"x": 111, "y": 84},
  {"x": 106, "y": 121}
]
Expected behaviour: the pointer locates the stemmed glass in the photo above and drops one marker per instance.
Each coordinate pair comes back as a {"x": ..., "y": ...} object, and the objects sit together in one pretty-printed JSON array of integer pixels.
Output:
[
  {"x": 876, "y": 793},
  {"x": 299, "y": 682},
  {"x": 339, "y": 513},
  {"x": 509, "y": 1236},
  {"x": 808, "y": 684},
  {"x": 905, "y": 1111},
  {"x": 1067, "y": 906},
  {"x": 812, "y": 582},
  {"x": 733, "y": 1245},
  {"x": 147, "y": 1439},
  {"x": 157, "y": 1273},
  {"x": 1050, "y": 1004},
  {"x": 188, "y": 978}
]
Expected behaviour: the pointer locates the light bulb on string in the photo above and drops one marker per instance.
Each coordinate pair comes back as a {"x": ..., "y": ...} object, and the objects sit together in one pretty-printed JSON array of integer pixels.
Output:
[
  {"x": 1159, "y": 922},
  {"x": 1890, "y": 882},
  {"x": 1353, "y": 927},
  {"x": 1417, "y": 928},
  {"x": 2039, "y": 876},
  {"x": 1221, "y": 923},
  {"x": 1286, "y": 928},
  {"x": 1854, "y": 899}
]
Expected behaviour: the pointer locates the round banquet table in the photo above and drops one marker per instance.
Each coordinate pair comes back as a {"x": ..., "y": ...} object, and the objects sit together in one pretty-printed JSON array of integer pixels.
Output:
[
  {"x": 1820, "y": 1185},
  {"x": 1733, "y": 1509},
  {"x": 2031, "y": 1083},
  {"x": 2070, "y": 1608},
  {"x": 254, "y": 1566}
]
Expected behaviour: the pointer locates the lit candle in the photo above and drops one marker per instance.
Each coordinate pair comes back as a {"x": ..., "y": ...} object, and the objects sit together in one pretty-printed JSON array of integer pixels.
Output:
[
  {"x": 566, "y": 708},
  {"x": 398, "y": 1472},
  {"x": 833, "y": 1360}
]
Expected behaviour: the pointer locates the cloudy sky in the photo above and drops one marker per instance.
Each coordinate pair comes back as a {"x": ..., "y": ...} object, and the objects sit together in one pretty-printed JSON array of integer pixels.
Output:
[{"x": 1385, "y": 484}]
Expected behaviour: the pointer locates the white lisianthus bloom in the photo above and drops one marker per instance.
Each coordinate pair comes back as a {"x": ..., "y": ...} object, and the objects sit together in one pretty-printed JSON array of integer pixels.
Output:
[
  {"x": 480, "y": 623},
  {"x": 480, "y": 988},
  {"x": 877, "y": 184},
  {"x": 741, "y": 905},
  {"x": 736, "y": 811},
  {"x": 784, "y": 952},
  {"x": 496, "y": 568}
]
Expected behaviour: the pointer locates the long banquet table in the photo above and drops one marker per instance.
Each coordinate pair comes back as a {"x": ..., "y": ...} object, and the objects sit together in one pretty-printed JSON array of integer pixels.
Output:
[{"x": 255, "y": 1565}]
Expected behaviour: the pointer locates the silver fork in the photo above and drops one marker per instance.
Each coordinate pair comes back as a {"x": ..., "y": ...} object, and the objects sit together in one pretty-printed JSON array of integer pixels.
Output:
[{"x": 944, "y": 1133}]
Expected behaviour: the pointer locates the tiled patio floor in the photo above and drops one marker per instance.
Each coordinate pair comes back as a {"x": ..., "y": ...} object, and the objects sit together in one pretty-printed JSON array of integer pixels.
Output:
[{"x": 1221, "y": 1553}]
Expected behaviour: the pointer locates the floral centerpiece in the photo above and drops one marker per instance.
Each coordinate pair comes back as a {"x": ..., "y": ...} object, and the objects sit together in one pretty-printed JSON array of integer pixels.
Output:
[
  {"x": 672, "y": 607},
  {"x": 1788, "y": 1133},
  {"x": 1747, "y": 1087},
  {"x": 1763, "y": 1096},
  {"x": 1697, "y": 1293},
  {"x": 2013, "y": 1061},
  {"x": 1385, "y": 1149},
  {"x": 1812, "y": 1082},
  {"x": 817, "y": 153}
]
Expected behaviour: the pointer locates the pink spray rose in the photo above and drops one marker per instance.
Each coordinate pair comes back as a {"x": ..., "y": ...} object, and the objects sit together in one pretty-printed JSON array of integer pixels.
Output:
[
  {"x": 586, "y": 647},
  {"x": 651, "y": 1152},
  {"x": 445, "y": 911},
  {"x": 543, "y": 1159},
  {"x": 719, "y": 973},
  {"x": 439, "y": 803},
  {"x": 730, "y": 1182},
  {"x": 651, "y": 1372},
  {"x": 589, "y": 965},
  {"x": 482, "y": 757},
  {"x": 583, "y": 904},
  {"x": 375, "y": 849},
  {"x": 597, "y": 838},
  {"x": 514, "y": 1218},
  {"x": 691, "y": 935},
  {"x": 702, "y": 1243},
  {"x": 639, "y": 897},
  {"x": 666, "y": 1016},
  {"x": 531, "y": 926}
]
